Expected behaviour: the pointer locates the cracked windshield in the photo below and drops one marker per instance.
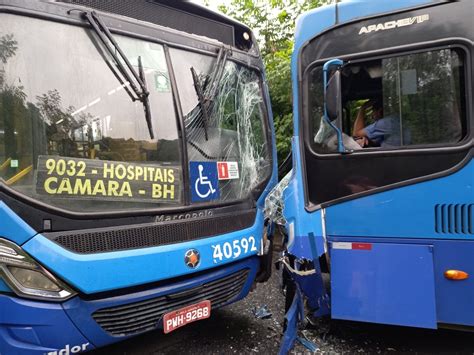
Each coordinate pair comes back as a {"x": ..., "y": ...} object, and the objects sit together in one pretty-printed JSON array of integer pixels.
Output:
[{"x": 74, "y": 135}]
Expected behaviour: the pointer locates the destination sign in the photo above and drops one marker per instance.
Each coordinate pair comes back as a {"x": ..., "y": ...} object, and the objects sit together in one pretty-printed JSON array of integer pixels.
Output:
[{"x": 107, "y": 180}]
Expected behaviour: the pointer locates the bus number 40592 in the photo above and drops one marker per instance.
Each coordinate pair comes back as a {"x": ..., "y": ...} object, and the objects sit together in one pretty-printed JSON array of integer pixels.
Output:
[{"x": 233, "y": 250}]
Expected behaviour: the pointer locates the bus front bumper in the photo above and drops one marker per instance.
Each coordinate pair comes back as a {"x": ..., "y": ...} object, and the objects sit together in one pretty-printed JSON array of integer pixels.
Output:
[{"x": 84, "y": 323}]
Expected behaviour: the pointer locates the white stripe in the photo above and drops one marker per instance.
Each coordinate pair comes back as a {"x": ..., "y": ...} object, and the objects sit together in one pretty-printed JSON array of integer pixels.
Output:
[
  {"x": 341, "y": 245},
  {"x": 323, "y": 227}
]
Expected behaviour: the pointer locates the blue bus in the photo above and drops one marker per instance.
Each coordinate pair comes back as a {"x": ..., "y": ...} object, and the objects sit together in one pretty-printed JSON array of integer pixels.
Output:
[
  {"x": 136, "y": 151},
  {"x": 378, "y": 207}
]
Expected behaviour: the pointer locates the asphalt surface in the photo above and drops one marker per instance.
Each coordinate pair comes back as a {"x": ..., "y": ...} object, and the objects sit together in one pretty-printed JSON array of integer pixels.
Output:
[{"x": 235, "y": 330}]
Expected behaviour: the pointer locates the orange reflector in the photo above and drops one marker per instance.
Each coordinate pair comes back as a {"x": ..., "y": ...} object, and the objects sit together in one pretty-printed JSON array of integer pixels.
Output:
[{"x": 456, "y": 275}]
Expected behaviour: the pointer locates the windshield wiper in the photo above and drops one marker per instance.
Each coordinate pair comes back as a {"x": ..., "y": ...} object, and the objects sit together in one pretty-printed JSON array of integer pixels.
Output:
[
  {"x": 211, "y": 87},
  {"x": 146, "y": 102},
  {"x": 202, "y": 101},
  {"x": 218, "y": 72},
  {"x": 136, "y": 81}
]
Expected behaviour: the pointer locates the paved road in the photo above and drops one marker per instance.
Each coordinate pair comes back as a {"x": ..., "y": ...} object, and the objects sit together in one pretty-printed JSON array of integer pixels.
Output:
[{"x": 234, "y": 329}]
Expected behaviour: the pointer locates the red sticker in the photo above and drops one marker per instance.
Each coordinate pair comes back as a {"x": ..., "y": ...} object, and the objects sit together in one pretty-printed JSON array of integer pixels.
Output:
[
  {"x": 223, "y": 171},
  {"x": 227, "y": 170},
  {"x": 362, "y": 246}
]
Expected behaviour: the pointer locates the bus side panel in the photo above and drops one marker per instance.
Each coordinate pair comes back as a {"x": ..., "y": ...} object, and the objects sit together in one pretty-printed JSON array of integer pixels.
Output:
[
  {"x": 454, "y": 299},
  {"x": 383, "y": 283}
]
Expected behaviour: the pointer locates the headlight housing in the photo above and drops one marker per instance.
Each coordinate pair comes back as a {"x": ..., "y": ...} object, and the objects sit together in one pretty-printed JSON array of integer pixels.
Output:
[{"x": 27, "y": 278}]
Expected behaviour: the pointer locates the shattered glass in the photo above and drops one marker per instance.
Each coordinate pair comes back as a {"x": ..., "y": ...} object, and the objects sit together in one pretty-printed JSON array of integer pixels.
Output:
[
  {"x": 235, "y": 130},
  {"x": 274, "y": 202}
]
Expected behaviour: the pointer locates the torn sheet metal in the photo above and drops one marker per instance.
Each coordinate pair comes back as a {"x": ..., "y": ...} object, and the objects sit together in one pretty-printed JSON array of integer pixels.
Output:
[
  {"x": 305, "y": 277},
  {"x": 293, "y": 317},
  {"x": 308, "y": 344},
  {"x": 306, "y": 274},
  {"x": 262, "y": 312}
]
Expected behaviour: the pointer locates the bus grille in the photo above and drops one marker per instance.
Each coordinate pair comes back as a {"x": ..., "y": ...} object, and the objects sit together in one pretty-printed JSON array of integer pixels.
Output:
[
  {"x": 146, "y": 315},
  {"x": 149, "y": 235},
  {"x": 454, "y": 218}
]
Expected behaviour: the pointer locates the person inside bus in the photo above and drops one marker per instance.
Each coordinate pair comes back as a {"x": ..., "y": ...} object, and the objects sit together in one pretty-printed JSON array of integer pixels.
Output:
[{"x": 383, "y": 132}]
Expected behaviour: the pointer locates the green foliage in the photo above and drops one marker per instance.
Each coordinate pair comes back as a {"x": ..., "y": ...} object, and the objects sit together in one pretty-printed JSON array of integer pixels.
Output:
[
  {"x": 273, "y": 23},
  {"x": 8, "y": 47}
]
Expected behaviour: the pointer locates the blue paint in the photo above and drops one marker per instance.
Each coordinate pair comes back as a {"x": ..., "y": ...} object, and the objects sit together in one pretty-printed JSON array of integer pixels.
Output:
[
  {"x": 385, "y": 219},
  {"x": 311, "y": 346},
  {"x": 454, "y": 299},
  {"x": 204, "y": 182},
  {"x": 13, "y": 227},
  {"x": 294, "y": 315},
  {"x": 80, "y": 311},
  {"x": 368, "y": 216},
  {"x": 30, "y": 327},
  {"x": 350, "y": 10},
  {"x": 91, "y": 273},
  {"x": 390, "y": 284},
  {"x": 4, "y": 287},
  {"x": 300, "y": 224},
  {"x": 320, "y": 19}
]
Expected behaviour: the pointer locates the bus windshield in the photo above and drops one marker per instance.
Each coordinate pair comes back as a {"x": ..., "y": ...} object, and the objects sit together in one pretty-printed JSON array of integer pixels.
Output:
[{"x": 72, "y": 137}]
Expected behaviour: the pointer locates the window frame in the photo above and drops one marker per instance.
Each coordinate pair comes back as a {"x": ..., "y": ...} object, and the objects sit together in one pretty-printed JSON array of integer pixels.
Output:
[
  {"x": 265, "y": 115},
  {"x": 460, "y": 44},
  {"x": 168, "y": 38}
]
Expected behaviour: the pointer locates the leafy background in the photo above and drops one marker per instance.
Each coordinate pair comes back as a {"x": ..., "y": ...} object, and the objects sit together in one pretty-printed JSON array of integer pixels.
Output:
[{"x": 273, "y": 23}]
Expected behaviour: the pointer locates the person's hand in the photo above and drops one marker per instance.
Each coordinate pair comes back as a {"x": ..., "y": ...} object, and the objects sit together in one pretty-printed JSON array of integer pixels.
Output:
[{"x": 362, "y": 141}]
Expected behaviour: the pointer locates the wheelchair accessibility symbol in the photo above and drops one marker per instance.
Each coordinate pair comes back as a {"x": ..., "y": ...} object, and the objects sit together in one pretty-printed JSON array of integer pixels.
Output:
[{"x": 204, "y": 181}]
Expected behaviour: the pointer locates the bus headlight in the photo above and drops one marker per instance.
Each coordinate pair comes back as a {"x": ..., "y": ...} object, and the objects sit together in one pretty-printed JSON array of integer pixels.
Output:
[{"x": 27, "y": 278}]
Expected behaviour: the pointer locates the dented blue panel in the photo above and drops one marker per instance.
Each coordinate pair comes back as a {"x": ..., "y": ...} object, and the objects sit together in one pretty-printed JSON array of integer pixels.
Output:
[
  {"x": 305, "y": 232},
  {"x": 383, "y": 283}
]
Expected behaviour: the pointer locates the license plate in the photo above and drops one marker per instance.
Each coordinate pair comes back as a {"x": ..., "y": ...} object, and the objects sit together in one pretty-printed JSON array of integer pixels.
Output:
[{"x": 180, "y": 317}]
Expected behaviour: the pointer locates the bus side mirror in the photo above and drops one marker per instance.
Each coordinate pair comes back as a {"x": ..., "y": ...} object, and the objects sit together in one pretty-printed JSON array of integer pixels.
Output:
[
  {"x": 333, "y": 100},
  {"x": 333, "y": 97}
]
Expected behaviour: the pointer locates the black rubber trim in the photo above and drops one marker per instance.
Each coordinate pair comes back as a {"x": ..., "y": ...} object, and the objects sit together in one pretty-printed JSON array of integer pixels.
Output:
[{"x": 103, "y": 240}]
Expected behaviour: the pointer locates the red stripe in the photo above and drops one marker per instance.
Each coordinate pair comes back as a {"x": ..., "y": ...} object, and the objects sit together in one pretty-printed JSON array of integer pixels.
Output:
[{"x": 362, "y": 246}]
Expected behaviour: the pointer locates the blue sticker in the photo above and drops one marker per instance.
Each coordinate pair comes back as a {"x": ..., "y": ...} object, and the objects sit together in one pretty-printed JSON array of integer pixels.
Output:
[{"x": 204, "y": 181}]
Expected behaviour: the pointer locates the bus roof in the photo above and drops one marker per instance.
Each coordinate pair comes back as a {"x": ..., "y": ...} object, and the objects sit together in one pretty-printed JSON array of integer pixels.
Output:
[
  {"x": 316, "y": 21},
  {"x": 183, "y": 16}
]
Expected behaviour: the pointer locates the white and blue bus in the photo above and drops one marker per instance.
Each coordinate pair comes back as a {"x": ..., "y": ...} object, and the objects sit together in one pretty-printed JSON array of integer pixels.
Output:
[
  {"x": 379, "y": 205},
  {"x": 136, "y": 150}
]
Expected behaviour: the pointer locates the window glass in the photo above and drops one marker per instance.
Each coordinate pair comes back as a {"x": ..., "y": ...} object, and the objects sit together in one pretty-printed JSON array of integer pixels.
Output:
[
  {"x": 422, "y": 94},
  {"x": 70, "y": 135},
  {"x": 233, "y": 122},
  {"x": 411, "y": 100}
]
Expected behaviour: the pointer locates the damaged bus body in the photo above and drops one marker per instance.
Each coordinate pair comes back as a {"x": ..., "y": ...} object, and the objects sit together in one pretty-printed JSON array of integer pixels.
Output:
[
  {"x": 379, "y": 201},
  {"x": 136, "y": 150}
]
